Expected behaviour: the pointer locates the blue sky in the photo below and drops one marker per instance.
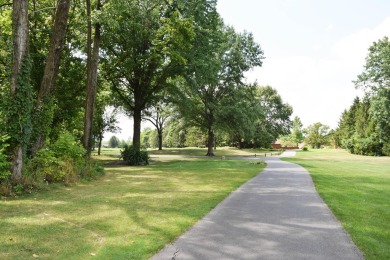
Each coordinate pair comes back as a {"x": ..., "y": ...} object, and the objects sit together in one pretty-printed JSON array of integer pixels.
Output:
[{"x": 314, "y": 50}]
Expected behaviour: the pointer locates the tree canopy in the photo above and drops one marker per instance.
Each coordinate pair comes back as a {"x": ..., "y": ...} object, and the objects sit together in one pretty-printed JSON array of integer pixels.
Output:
[{"x": 67, "y": 67}]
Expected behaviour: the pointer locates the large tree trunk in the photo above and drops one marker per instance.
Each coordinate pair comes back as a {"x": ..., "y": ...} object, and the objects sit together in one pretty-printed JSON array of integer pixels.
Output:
[
  {"x": 137, "y": 128},
  {"x": 52, "y": 66},
  {"x": 92, "y": 70},
  {"x": 210, "y": 143},
  {"x": 20, "y": 56},
  {"x": 160, "y": 134}
]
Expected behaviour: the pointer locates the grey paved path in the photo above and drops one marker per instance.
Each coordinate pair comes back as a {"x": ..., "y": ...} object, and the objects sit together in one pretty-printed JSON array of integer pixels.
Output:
[{"x": 276, "y": 215}]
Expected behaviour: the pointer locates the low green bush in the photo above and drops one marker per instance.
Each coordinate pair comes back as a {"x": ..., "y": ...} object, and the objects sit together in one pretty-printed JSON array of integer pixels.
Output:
[
  {"x": 386, "y": 149},
  {"x": 305, "y": 148},
  {"x": 134, "y": 156},
  {"x": 61, "y": 161}
]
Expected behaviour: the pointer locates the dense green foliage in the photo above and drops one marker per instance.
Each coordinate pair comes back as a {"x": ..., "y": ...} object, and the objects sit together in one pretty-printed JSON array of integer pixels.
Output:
[
  {"x": 296, "y": 136},
  {"x": 4, "y": 163},
  {"x": 365, "y": 127},
  {"x": 134, "y": 155},
  {"x": 174, "y": 63},
  {"x": 61, "y": 161},
  {"x": 275, "y": 119},
  {"x": 317, "y": 135},
  {"x": 149, "y": 138},
  {"x": 358, "y": 130}
]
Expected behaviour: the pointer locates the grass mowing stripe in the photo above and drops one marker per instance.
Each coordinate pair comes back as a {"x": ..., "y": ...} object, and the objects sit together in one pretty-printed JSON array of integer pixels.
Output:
[
  {"x": 130, "y": 213},
  {"x": 357, "y": 190}
]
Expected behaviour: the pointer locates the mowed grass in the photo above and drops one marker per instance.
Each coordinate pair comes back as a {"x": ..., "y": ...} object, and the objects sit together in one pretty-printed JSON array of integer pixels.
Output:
[
  {"x": 130, "y": 213},
  {"x": 357, "y": 190}
]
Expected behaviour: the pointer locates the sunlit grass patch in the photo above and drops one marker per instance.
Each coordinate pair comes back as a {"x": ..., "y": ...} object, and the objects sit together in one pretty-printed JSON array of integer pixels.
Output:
[
  {"x": 130, "y": 213},
  {"x": 357, "y": 190}
]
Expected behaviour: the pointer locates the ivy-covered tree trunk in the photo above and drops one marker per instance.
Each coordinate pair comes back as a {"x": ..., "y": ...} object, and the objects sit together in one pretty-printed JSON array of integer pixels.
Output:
[
  {"x": 44, "y": 107},
  {"x": 92, "y": 70},
  {"x": 19, "y": 120},
  {"x": 210, "y": 143}
]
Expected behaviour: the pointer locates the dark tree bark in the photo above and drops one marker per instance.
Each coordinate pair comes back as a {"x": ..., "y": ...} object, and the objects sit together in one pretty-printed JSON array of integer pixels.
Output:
[
  {"x": 92, "y": 70},
  {"x": 160, "y": 135},
  {"x": 137, "y": 127},
  {"x": 210, "y": 143},
  {"x": 100, "y": 143},
  {"x": 20, "y": 55},
  {"x": 52, "y": 66}
]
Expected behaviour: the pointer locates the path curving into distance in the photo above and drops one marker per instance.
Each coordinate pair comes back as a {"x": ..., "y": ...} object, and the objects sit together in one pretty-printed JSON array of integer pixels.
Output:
[{"x": 276, "y": 215}]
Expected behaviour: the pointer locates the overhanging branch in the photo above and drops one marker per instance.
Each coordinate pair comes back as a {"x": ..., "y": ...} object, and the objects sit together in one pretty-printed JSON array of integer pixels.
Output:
[{"x": 6, "y": 4}]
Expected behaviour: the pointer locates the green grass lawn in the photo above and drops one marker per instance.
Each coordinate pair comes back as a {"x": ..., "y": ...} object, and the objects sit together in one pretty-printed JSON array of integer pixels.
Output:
[
  {"x": 357, "y": 190},
  {"x": 130, "y": 213}
]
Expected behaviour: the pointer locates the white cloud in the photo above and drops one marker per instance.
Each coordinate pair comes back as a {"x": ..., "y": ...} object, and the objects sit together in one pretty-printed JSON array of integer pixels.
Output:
[
  {"x": 319, "y": 89},
  {"x": 329, "y": 28}
]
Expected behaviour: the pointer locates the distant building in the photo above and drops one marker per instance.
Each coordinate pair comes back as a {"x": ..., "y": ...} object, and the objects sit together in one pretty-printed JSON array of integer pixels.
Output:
[{"x": 277, "y": 145}]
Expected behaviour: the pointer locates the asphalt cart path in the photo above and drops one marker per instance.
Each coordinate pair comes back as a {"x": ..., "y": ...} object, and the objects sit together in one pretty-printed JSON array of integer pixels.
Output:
[{"x": 276, "y": 215}]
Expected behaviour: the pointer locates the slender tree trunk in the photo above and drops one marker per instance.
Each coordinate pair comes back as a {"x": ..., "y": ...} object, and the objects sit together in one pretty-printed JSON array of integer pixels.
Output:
[
  {"x": 43, "y": 116},
  {"x": 137, "y": 128},
  {"x": 100, "y": 143},
  {"x": 20, "y": 56},
  {"x": 210, "y": 143},
  {"x": 92, "y": 70}
]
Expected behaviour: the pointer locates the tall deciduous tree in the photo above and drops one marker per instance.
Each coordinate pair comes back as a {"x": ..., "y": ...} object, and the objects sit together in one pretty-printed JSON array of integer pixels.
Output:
[
  {"x": 20, "y": 106},
  {"x": 276, "y": 116},
  {"x": 296, "y": 135},
  {"x": 143, "y": 46},
  {"x": 92, "y": 71},
  {"x": 317, "y": 135},
  {"x": 218, "y": 60},
  {"x": 44, "y": 105},
  {"x": 297, "y": 132}
]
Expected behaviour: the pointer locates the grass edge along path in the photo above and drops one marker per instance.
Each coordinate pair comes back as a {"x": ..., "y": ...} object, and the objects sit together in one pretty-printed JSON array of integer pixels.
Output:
[
  {"x": 130, "y": 213},
  {"x": 357, "y": 190}
]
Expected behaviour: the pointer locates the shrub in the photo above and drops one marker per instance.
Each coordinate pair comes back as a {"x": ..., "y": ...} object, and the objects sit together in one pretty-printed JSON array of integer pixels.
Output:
[
  {"x": 305, "y": 148},
  {"x": 386, "y": 149},
  {"x": 349, "y": 145},
  {"x": 67, "y": 146},
  {"x": 134, "y": 156},
  {"x": 91, "y": 170},
  {"x": 61, "y": 161},
  {"x": 44, "y": 167}
]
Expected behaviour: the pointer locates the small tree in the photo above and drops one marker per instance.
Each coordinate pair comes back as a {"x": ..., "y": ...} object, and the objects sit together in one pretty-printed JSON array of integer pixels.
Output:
[
  {"x": 317, "y": 135},
  {"x": 113, "y": 142}
]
